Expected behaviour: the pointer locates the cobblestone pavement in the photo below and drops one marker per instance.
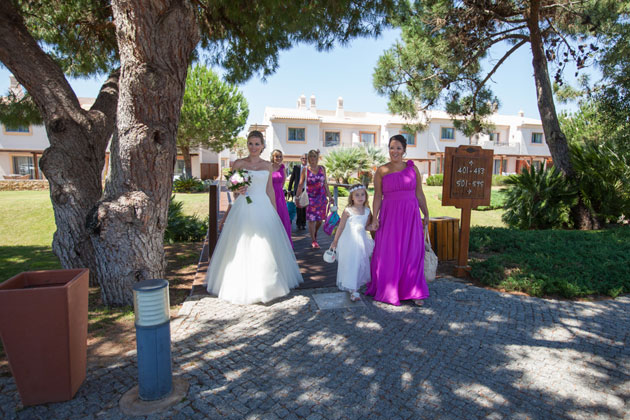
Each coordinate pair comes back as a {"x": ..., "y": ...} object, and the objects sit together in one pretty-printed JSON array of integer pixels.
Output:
[{"x": 468, "y": 353}]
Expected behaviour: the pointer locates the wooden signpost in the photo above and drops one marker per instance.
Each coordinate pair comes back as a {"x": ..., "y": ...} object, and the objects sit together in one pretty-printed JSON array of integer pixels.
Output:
[{"x": 467, "y": 185}]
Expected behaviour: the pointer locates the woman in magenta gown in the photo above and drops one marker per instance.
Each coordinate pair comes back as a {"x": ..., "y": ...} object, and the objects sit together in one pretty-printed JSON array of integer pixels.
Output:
[
  {"x": 397, "y": 266},
  {"x": 278, "y": 178}
]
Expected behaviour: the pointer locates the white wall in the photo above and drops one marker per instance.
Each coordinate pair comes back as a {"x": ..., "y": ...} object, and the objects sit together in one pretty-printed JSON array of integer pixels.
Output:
[
  {"x": 37, "y": 140},
  {"x": 6, "y": 165},
  {"x": 529, "y": 148}
]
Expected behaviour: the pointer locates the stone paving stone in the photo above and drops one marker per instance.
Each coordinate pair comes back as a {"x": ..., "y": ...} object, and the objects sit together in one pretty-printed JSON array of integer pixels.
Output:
[{"x": 468, "y": 353}]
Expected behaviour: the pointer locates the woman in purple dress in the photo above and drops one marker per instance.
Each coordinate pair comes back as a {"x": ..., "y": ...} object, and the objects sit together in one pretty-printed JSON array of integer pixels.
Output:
[
  {"x": 314, "y": 177},
  {"x": 278, "y": 178},
  {"x": 397, "y": 265}
]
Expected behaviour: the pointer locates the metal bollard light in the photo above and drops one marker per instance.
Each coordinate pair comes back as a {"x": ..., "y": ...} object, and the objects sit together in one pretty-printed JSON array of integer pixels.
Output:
[{"x": 153, "y": 339}]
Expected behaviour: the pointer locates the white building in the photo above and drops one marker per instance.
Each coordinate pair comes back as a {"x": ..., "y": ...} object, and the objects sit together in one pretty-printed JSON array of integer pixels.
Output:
[
  {"x": 22, "y": 147},
  {"x": 517, "y": 141}
]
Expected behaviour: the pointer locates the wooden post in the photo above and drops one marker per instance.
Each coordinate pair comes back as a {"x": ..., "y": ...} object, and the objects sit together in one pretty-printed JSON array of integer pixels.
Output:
[
  {"x": 462, "y": 260},
  {"x": 213, "y": 222},
  {"x": 35, "y": 166},
  {"x": 467, "y": 184}
]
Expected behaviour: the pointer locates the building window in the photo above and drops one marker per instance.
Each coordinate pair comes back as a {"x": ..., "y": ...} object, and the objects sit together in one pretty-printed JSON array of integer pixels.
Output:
[
  {"x": 495, "y": 137},
  {"x": 497, "y": 167},
  {"x": 297, "y": 134},
  {"x": 410, "y": 138},
  {"x": 331, "y": 138},
  {"x": 537, "y": 164},
  {"x": 17, "y": 129},
  {"x": 367, "y": 137},
  {"x": 180, "y": 168},
  {"x": 23, "y": 165},
  {"x": 439, "y": 165},
  {"x": 537, "y": 138},
  {"x": 448, "y": 133}
]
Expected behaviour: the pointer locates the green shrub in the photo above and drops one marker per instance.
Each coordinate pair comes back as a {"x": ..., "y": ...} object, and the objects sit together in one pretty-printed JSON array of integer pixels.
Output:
[
  {"x": 499, "y": 180},
  {"x": 603, "y": 178},
  {"x": 183, "y": 228},
  {"x": 435, "y": 180},
  {"x": 566, "y": 263},
  {"x": 188, "y": 185},
  {"x": 497, "y": 200},
  {"x": 341, "y": 191},
  {"x": 538, "y": 199}
]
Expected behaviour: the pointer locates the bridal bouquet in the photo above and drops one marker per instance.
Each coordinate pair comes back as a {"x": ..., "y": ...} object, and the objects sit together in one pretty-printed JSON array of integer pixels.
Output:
[{"x": 239, "y": 178}]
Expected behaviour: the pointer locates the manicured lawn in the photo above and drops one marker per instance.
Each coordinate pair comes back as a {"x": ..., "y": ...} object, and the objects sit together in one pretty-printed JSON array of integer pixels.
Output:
[
  {"x": 565, "y": 263},
  {"x": 27, "y": 225}
]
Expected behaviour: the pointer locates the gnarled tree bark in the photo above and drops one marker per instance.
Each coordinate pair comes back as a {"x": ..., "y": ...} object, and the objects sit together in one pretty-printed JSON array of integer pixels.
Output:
[
  {"x": 73, "y": 164},
  {"x": 155, "y": 40}
]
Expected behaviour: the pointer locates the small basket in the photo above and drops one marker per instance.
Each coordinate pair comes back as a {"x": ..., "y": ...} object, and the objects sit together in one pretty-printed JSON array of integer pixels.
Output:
[{"x": 330, "y": 256}]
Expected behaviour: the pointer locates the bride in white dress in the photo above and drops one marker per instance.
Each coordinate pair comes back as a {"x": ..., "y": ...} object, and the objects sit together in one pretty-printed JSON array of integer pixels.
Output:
[{"x": 253, "y": 260}]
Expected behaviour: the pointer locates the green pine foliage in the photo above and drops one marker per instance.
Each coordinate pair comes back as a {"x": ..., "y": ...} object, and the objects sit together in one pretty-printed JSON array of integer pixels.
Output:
[
  {"x": 540, "y": 263},
  {"x": 538, "y": 199},
  {"x": 213, "y": 112}
]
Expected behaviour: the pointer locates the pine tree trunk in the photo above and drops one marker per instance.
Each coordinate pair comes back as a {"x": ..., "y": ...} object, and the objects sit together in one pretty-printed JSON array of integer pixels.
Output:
[
  {"x": 556, "y": 140},
  {"x": 187, "y": 161},
  {"x": 73, "y": 163},
  {"x": 155, "y": 39}
]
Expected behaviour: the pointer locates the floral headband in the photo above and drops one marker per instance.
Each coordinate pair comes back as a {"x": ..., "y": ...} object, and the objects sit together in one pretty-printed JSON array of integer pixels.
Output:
[{"x": 358, "y": 187}]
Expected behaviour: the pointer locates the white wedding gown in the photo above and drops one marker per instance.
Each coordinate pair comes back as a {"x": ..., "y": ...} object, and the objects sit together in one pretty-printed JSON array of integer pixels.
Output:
[
  {"x": 354, "y": 250},
  {"x": 253, "y": 260}
]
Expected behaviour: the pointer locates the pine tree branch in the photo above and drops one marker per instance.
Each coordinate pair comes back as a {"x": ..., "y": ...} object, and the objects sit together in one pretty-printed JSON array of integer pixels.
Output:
[
  {"x": 496, "y": 66},
  {"x": 34, "y": 69}
]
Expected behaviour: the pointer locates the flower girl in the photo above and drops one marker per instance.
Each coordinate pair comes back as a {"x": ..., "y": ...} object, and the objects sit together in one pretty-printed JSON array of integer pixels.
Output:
[{"x": 354, "y": 246}]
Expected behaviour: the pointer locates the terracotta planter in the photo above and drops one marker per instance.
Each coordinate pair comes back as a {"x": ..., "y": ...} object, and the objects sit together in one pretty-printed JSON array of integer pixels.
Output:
[{"x": 43, "y": 326}]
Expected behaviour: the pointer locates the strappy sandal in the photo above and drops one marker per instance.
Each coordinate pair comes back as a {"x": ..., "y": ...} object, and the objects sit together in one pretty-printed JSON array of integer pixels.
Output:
[{"x": 355, "y": 297}]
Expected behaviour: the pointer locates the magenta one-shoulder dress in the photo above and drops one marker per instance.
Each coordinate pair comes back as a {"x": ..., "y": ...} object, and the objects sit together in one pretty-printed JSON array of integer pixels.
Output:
[
  {"x": 278, "y": 177},
  {"x": 397, "y": 265}
]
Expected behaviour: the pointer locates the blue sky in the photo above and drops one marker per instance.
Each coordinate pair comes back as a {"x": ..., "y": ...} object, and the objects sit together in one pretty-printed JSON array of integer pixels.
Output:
[{"x": 347, "y": 72}]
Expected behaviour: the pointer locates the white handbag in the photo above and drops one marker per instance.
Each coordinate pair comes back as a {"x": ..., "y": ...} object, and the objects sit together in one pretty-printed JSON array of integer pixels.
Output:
[
  {"x": 330, "y": 256},
  {"x": 430, "y": 259},
  {"x": 302, "y": 200}
]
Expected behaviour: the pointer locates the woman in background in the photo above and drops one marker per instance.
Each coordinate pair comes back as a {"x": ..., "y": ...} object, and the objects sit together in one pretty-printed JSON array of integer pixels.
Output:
[
  {"x": 279, "y": 177},
  {"x": 315, "y": 181}
]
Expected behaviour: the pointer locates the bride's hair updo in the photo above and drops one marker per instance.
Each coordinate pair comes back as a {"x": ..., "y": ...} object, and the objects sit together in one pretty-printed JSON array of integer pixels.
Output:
[{"x": 257, "y": 134}]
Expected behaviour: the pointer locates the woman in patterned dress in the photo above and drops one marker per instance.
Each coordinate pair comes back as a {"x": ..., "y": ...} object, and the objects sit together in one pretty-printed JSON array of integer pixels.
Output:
[{"x": 314, "y": 177}]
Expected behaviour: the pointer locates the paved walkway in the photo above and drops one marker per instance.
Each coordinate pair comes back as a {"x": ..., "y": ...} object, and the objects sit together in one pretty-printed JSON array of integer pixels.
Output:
[{"x": 469, "y": 353}]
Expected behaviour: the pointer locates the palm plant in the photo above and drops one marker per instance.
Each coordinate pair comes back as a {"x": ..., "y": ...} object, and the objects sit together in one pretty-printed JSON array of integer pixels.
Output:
[
  {"x": 343, "y": 163},
  {"x": 603, "y": 176},
  {"x": 538, "y": 199}
]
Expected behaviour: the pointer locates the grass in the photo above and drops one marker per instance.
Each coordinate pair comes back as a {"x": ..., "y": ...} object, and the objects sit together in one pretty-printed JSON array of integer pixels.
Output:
[
  {"x": 563, "y": 263},
  {"x": 26, "y": 231},
  {"x": 27, "y": 225}
]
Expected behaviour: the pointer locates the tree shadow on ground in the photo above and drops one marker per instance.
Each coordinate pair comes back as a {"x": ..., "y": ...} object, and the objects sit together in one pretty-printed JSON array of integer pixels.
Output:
[
  {"x": 16, "y": 259},
  {"x": 470, "y": 353}
]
